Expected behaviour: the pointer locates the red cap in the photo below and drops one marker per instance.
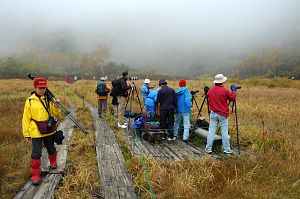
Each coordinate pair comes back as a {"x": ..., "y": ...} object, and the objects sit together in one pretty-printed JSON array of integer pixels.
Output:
[
  {"x": 40, "y": 82},
  {"x": 182, "y": 83}
]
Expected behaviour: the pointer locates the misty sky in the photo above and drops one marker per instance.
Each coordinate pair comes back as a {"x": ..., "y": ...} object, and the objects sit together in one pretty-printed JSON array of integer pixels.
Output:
[{"x": 154, "y": 33}]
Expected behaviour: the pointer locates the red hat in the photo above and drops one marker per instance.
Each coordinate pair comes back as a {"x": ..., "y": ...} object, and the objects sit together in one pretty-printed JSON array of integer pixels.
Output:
[
  {"x": 182, "y": 83},
  {"x": 40, "y": 82}
]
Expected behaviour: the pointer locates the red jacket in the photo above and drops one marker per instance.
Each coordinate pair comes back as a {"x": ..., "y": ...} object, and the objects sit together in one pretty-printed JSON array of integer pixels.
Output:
[{"x": 218, "y": 98}]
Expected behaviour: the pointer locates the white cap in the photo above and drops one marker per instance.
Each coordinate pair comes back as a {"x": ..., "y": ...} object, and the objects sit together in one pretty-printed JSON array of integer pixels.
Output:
[
  {"x": 219, "y": 78},
  {"x": 103, "y": 78},
  {"x": 147, "y": 81}
]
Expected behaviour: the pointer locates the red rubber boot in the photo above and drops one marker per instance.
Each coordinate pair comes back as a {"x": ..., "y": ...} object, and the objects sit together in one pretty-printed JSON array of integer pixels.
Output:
[
  {"x": 53, "y": 161},
  {"x": 35, "y": 171}
]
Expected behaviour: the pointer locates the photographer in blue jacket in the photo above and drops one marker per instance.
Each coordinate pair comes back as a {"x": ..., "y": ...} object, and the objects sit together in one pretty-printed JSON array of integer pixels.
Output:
[{"x": 184, "y": 105}]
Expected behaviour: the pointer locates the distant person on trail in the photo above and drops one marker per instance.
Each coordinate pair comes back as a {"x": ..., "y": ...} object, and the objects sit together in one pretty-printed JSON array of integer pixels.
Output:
[
  {"x": 218, "y": 98},
  {"x": 166, "y": 98},
  {"x": 120, "y": 90},
  {"x": 184, "y": 105},
  {"x": 151, "y": 101},
  {"x": 145, "y": 89},
  {"x": 38, "y": 108},
  {"x": 102, "y": 91}
]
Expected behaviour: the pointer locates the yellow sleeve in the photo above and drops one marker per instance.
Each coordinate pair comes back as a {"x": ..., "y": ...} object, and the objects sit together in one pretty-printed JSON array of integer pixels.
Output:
[
  {"x": 26, "y": 119},
  {"x": 55, "y": 110}
]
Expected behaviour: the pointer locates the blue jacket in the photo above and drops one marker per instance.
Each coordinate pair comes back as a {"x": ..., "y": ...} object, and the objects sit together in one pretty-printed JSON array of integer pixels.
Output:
[
  {"x": 184, "y": 100},
  {"x": 145, "y": 92},
  {"x": 151, "y": 100}
]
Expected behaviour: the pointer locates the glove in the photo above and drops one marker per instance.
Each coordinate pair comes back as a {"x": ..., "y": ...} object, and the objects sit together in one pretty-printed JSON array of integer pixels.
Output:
[{"x": 233, "y": 88}]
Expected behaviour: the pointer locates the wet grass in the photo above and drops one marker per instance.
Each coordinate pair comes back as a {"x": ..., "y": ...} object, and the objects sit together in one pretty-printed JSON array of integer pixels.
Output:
[{"x": 268, "y": 112}]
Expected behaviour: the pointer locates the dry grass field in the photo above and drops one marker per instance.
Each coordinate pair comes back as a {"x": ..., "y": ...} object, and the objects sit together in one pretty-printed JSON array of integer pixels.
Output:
[{"x": 270, "y": 168}]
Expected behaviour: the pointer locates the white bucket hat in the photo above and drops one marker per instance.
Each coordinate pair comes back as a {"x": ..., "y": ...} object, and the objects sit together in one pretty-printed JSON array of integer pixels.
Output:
[
  {"x": 147, "y": 81},
  {"x": 103, "y": 78},
  {"x": 219, "y": 78}
]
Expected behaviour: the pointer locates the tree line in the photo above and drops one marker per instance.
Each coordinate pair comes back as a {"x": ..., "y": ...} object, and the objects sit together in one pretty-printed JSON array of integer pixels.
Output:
[{"x": 265, "y": 63}]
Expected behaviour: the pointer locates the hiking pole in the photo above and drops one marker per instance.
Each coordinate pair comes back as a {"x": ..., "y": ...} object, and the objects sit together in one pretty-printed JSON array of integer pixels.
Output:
[
  {"x": 236, "y": 126},
  {"x": 51, "y": 96}
]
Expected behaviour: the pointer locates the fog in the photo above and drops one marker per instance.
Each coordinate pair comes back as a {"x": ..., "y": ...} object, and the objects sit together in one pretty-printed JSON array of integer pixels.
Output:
[{"x": 167, "y": 35}]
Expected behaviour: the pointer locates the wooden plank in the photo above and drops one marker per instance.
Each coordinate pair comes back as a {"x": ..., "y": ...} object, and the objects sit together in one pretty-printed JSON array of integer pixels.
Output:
[
  {"x": 204, "y": 133},
  {"x": 111, "y": 164}
]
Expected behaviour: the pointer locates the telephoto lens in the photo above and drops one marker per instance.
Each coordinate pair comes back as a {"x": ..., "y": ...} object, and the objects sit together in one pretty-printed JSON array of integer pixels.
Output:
[
  {"x": 194, "y": 92},
  {"x": 133, "y": 78}
]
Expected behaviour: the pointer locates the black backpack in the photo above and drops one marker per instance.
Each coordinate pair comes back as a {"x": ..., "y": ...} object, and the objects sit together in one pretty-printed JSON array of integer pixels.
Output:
[
  {"x": 101, "y": 89},
  {"x": 116, "y": 90}
]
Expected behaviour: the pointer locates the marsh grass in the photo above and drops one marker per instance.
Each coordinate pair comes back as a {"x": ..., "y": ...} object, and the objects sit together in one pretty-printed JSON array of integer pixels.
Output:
[
  {"x": 81, "y": 174},
  {"x": 15, "y": 152},
  {"x": 269, "y": 170}
]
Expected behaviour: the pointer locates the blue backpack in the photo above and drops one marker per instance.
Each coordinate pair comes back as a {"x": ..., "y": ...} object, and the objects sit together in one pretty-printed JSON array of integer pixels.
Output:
[{"x": 101, "y": 89}]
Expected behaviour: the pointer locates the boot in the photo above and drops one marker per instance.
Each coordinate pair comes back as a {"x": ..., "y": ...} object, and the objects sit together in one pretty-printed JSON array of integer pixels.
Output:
[
  {"x": 53, "y": 161},
  {"x": 35, "y": 171}
]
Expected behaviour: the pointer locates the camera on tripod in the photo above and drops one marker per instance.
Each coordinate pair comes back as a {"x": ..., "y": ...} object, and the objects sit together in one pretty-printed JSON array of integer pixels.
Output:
[
  {"x": 133, "y": 78},
  {"x": 194, "y": 92},
  {"x": 235, "y": 88},
  {"x": 205, "y": 89}
]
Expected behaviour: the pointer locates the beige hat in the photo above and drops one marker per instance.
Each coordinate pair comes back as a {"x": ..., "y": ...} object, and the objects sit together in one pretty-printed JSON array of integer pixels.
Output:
[
  {"x": 147, "y": 81},
  {"x": 219, "y": 78},
  {"x": 103, "y": 78}
]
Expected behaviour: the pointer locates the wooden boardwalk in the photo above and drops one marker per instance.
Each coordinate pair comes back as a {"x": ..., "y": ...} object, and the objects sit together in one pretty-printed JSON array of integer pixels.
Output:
[
  {"x": 50, "y": 179},
  {"x": 116, "y": 181},
  {"x": 170, "y": 150}
]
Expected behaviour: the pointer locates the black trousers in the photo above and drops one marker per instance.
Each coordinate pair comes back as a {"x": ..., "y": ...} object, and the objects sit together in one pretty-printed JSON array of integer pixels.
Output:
[
  {"x": 37, "y": 146},
  {"x": 167, "y": 121}
]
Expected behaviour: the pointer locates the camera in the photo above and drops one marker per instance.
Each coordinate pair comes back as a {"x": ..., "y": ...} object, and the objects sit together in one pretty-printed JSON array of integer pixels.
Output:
[
  {"x": 133, "y": 78},
  {"x": 234, "y": 87},
  {"x": 194, "y": 92},
  {"x": 51, "y": 122},
  {"x": 205, "y": 89}
]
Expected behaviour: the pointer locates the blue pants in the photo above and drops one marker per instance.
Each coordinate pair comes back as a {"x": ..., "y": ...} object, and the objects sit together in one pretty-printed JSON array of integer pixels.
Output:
[
  {"x": 186, "y": 124},
  {"x": 213, "y": 124}
]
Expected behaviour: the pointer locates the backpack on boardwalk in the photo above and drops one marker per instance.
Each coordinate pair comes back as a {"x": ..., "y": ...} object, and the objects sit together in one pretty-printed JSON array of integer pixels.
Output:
[{"x": 101, "y": 89}]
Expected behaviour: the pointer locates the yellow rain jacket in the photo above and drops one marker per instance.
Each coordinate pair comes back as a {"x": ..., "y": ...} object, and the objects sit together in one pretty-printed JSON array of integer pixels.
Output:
[{"x": 35, "y": 110}]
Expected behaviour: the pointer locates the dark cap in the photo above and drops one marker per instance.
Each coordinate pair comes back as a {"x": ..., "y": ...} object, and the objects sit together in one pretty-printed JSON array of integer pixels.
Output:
[
  {"x": 125, "y": 73},
  {"x": 162, "y": 81}
]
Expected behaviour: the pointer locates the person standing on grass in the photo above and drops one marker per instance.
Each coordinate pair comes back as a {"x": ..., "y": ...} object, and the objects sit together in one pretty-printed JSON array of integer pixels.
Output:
[
  {"x": 121, "y": 98},
  {"x": 184, "y": 105},
  {"x": 102, "y": 91},
  {"x": 37, "y": 111},
  {"x": 218, "y": 98},
  {"x": 166, "y": 98}
]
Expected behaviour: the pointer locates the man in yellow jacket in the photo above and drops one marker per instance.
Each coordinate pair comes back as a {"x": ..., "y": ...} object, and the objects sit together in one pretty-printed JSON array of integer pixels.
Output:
[{"x": 38, "y": 108}]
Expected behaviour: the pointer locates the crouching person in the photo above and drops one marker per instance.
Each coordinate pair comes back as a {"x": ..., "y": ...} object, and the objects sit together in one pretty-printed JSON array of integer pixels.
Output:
[
  {"x": 37, "y": 129},
  {"x": 184, "y": 104}
]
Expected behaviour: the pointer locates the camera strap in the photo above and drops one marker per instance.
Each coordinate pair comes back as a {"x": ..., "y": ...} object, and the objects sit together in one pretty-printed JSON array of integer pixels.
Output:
[{"x": 46, "y": 107}]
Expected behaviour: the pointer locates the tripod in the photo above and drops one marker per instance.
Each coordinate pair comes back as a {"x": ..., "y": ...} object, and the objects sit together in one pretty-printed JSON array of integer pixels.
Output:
[
  {"x": 130, "y": 97},
  {"x": 205, "y": 99},
  {"x": 233, "y": 108}
]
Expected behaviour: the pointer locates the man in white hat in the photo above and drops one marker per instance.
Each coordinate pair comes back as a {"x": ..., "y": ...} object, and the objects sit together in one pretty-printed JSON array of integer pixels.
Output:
[
  {"x": 146, "y": 89},
  {"x": 218, "y": 98}
]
